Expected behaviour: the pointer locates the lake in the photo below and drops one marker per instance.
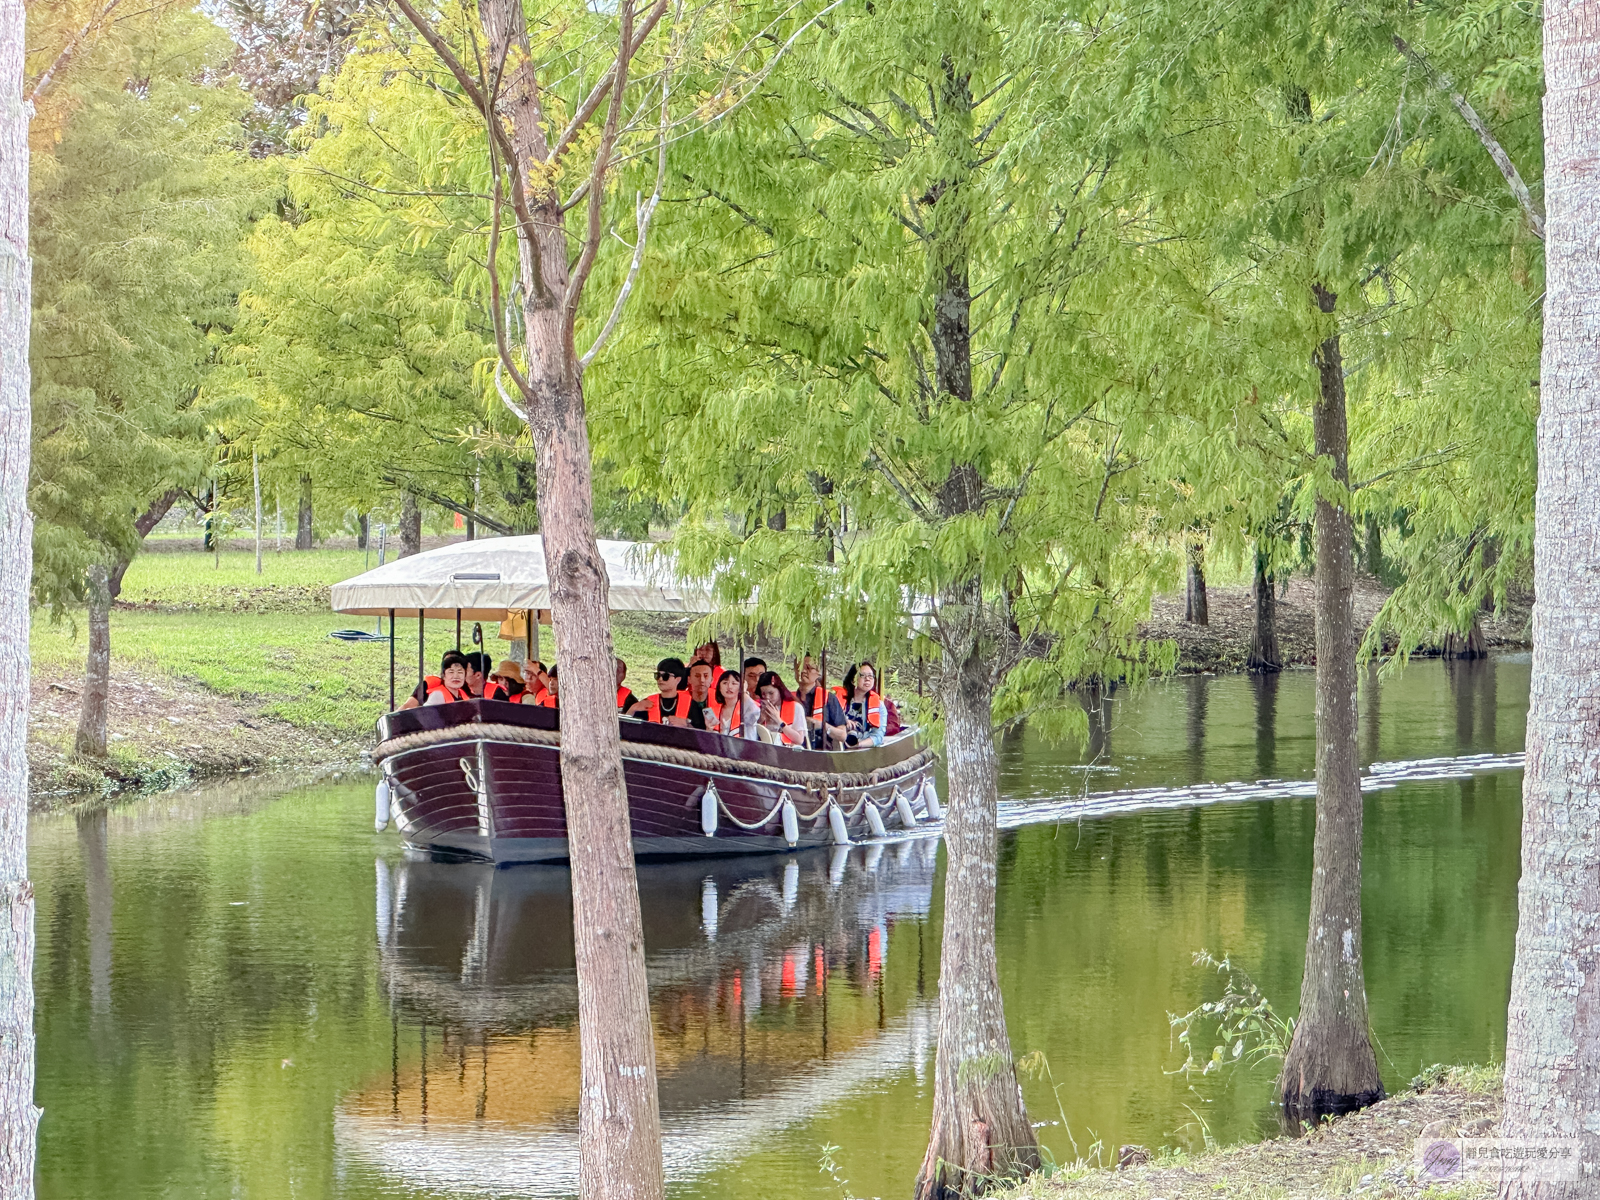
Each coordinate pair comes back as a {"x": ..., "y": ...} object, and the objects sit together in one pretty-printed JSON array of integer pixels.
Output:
[{"x": 244, "y": 992}]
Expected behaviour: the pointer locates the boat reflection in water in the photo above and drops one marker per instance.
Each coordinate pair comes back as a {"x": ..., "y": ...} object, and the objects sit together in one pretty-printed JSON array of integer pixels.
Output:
[{"x": 777, "y": 986}]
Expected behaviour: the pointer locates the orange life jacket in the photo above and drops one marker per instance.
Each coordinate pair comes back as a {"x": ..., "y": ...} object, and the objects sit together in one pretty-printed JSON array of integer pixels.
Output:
[
  {"x": 652, "y": 707},
  {"x": 819, "y": 702},
  {"x": 623, "y": 693},
  {"x": 786, "y": 714},
  {"x": 495, "y": 690},
  {"x": 434, "y": 684},
  {"x": 549, "y": 700}
]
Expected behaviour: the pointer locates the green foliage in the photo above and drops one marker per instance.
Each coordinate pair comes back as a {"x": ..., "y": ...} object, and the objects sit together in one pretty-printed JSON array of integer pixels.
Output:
[
  {"x": 1286, "y": 147},
  {"x": 364, "y": 330},
  {"x": 1242, "y": 1022},
  {"x": 366, "y": 349},
  {"x": 140, "y": 198},
  {"x": 788, "y": 358}
]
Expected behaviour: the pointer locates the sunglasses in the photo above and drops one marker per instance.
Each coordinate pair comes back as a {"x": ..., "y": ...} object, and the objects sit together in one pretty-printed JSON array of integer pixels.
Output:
[{"x": 665, "y": 675}]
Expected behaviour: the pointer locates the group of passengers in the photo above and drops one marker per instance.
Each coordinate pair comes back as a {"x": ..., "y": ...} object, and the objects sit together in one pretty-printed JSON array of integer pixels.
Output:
[{"x": 753, "y": 703}]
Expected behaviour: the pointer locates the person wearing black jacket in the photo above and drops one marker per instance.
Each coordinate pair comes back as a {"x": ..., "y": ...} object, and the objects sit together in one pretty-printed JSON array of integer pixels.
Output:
[{"x": 825, "y": 717}]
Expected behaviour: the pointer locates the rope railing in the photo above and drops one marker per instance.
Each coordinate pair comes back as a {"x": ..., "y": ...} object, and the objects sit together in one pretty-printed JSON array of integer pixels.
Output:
[{"x": 823, "y": 781}]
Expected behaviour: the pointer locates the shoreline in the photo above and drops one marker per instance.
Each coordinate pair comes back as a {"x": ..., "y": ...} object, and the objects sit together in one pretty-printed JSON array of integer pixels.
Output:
[
  {"x": 167, "y": 730},
  {"x": 164, "y": 734},
  {"x": 1371, "y": 1153},
  {"x": 1222, "y": 645}
]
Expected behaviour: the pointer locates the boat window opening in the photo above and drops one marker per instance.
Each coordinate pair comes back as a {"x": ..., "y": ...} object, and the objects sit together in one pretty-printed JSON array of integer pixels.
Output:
[{"x": 475, "y": 577}]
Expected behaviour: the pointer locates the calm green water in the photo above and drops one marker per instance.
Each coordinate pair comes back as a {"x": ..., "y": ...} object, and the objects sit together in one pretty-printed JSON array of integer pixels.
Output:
[{"x": 248, "y": 994}]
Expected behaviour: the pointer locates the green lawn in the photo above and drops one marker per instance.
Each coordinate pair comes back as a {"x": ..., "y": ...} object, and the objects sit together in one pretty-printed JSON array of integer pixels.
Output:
[{"x": 263, "y": 640}]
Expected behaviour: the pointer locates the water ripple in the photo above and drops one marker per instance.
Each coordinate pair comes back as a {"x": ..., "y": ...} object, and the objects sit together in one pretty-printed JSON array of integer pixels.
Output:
[{"x": 1377, "y": 777}]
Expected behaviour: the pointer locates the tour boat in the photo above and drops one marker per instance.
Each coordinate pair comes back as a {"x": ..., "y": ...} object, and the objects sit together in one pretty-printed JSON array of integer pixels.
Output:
[{"x": 481, "y": 779}]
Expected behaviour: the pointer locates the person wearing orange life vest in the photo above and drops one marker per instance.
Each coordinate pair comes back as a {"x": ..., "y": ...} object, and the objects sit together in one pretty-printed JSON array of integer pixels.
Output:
[
  {"x": 711, "y": 653},
  {"x": 505, "y": 684},
  {"x": 551, "y": 696},
  {"x": 670, "y": 704},
  {"x": 863, "y": 707},
  {"x": 824, "y": 711},
  {"x": 625, "y": 698},
  {"x": 733, "y": 712},
  {"x": 447, "y": 687},
  {"x": 703, "y": 710},
  {"x": 780, "y": 720}
]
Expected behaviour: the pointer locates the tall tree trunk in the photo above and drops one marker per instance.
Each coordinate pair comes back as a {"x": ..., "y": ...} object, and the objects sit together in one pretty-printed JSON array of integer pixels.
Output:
[
  {"x": 105, "y": 585},
  {"x": 410, "y": 526},
  {"x": 980, "y": 1128},
  {"x": 19, "y": 1119},
  {"x": 1330, "y": 1067},
  {"x": 91, "y": 737},
  {"x": 1466, "y": 645},
  {"x": 980, "y": 1124},
  {"x": 1374, "y": 548},
  {"x": 255, "y": 474},
  {"x": 1195, "y": 609},
  {"x": 302, "y": 533},
  {"x": 1264, "y": 654},
  {"x": 1553, "y": 1027},
  {"x": 619, "y": 1120}
]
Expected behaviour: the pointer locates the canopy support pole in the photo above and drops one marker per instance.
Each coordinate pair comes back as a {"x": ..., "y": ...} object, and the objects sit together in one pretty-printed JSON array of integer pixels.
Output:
[
  {"x": 391, "y": 660},
  {"x": 422, "y": 660},
  {"x": 458, "y": 629}
]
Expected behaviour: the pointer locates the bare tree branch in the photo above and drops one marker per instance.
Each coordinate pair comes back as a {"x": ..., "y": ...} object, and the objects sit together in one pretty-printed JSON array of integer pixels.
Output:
[
  {"x": 90, "y": 28},
  {"x": 483, "y": 99},
  {"x": 642, "y": 216},
  {"x": 591, "y": 102},
  {"x": 1508, "y": 169},
  {"x": 595, "y": 233}
]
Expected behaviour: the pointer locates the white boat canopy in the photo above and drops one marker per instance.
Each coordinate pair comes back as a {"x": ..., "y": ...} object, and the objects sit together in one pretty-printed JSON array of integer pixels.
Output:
[{"x": 489, "y": 578}]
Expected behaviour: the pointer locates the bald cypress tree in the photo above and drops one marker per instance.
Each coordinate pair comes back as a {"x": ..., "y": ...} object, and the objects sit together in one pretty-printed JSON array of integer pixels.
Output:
[{"x": 140, "y": 200}]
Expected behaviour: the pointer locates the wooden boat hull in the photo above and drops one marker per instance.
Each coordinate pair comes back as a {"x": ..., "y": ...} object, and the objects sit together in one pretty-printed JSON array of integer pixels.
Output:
[{"x": 481, "y": 780}]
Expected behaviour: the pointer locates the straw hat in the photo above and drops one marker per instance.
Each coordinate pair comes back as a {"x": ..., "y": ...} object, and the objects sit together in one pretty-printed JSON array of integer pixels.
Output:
[{"x": 510, "y": 670}]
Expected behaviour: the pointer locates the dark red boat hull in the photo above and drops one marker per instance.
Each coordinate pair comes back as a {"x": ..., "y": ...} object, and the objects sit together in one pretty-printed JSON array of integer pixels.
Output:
[{"x": 481, "y": 793}]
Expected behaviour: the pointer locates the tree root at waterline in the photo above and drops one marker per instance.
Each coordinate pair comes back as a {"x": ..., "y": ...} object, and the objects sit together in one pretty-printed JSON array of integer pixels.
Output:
[
  {"x": 1330, "y": 1070},
  {"x": 981, "y": 1137}
]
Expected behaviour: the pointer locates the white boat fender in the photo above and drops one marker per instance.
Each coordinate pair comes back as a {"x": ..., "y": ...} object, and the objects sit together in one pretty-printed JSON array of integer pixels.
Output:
[
  {"x": 837, "y": 865},
  {"x": 908, "y": 815},
  {"x": 875, "y": 820},
  {"x": 385, "y": 904},
  {"x": 791, "y": 823},
  {"x": 841, "y": 835},
  {"x": 930, "y": 795},
  {"x": 380, "y": 815},
  {"x": 708, "y": 811},
  {"x": 708, "y": 907}
]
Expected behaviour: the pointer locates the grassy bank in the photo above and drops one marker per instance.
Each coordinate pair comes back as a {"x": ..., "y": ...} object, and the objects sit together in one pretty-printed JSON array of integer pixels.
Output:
[
  {"x": 216, "y": 669},
  {"x": 1372, "y": 1154}
]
